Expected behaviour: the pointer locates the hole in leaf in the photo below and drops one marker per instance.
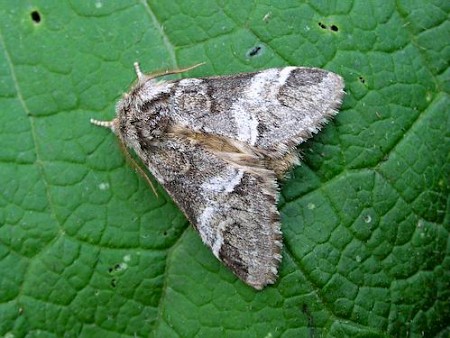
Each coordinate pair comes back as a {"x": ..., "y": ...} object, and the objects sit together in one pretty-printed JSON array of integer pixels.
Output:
[
  {"x": 334, "y": 28},
  {"x": 255, "y": 51},
  {"x": 35, "y": 16},
  {"x": 363, "y": 80},
  {"x": 322, "y": 25}
]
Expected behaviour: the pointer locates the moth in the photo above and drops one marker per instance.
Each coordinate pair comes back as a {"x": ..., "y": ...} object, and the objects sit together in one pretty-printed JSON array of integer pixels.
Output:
[{"x": 218, "y": 146}]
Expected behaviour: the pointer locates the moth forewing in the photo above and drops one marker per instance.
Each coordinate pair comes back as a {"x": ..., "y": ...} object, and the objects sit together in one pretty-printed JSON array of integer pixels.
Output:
[{"x": 217, "y": 146}]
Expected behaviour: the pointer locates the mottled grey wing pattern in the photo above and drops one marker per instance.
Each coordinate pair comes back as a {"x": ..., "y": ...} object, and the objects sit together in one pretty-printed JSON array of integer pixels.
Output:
[
  {"x": 234, "y": 211},
  {"x": 274, "y": 109}
]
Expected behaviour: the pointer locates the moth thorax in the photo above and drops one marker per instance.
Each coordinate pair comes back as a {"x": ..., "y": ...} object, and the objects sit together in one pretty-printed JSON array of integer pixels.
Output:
[{"x": 145, "y": 126}]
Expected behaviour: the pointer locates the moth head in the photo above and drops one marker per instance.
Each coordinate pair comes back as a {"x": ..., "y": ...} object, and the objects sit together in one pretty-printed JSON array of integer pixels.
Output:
[
  {"x": 125, "y": 138},
  {"x": 141, "y": 120}
]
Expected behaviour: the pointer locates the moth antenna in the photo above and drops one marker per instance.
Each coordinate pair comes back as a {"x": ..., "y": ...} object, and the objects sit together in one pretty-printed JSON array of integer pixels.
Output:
[
  {"x": 137, "y": 69},
  {"x": 105, "y": 124},
  {"x": 136, "y": 165},
  {"x": 142, "y": 77},
  {"x": 182, "y": 70}
]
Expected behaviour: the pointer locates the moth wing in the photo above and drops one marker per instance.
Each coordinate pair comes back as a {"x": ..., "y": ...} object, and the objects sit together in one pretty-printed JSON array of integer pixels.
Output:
[
  {"x": 233, "y": 208},
  {"x": 272, "y": 110}
]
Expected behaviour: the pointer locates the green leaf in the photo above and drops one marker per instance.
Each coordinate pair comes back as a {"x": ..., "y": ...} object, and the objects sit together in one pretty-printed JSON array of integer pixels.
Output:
[{"x": 86, "y": 249}]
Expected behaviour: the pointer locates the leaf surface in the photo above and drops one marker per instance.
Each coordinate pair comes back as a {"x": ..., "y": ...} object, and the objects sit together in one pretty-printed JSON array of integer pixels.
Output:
[{"x": 86, "y": 249}]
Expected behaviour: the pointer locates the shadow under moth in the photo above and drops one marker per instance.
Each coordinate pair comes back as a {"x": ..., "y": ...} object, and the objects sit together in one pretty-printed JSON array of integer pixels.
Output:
[{"x": 218, "y": 146}]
